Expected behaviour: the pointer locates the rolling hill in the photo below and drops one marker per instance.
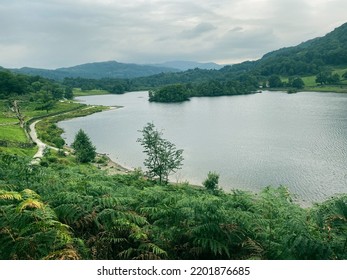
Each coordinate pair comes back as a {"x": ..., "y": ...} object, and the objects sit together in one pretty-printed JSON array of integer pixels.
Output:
[
  {"x": 186, "y": 65},
  {"x": 98, "y": 70}
]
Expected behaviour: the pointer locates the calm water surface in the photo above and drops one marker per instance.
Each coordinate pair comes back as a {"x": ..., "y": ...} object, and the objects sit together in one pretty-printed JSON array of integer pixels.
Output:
[{"x": 270, "y": 138}]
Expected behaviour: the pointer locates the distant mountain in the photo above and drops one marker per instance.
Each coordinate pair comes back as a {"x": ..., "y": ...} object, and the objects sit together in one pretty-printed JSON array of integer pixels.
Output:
[
  {"x": 308, "y": 58},
  {"x": 186, "y": 65},
  {"x": 98, "y": 70}
]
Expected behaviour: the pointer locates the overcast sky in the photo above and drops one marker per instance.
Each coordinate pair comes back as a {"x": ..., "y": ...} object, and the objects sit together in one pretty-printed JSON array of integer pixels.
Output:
[{"x": 58, "y": 33}]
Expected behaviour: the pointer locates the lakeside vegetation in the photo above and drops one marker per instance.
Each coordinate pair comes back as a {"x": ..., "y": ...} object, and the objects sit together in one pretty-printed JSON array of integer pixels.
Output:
[{"x": 65, "y": 210}]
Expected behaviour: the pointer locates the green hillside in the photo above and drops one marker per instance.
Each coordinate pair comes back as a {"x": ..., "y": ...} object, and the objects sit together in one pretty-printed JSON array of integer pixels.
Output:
[{"x": 98, "y": 70}]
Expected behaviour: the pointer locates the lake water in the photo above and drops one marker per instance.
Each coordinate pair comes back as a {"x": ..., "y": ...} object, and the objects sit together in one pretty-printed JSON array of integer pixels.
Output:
[{"x": 252, "y": 141}]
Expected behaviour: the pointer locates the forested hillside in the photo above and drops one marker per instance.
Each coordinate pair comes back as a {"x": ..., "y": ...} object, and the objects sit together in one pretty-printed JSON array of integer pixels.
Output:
[{"x": 12, "y": 85}]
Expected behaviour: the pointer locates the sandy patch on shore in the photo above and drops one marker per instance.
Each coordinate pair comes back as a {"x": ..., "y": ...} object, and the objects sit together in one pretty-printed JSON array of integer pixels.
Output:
[{"x": 103, "y": 162}]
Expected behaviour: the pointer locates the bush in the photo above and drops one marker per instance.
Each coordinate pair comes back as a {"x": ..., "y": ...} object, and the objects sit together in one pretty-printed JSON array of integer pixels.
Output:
[{"x": 211, "y": 182}]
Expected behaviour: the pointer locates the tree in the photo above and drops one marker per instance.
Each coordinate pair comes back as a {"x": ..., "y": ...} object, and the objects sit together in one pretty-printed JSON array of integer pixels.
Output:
[
  {"x": 49, "y": 105},
  {"x": 298, "y": 83},
  {"x": 68, "y": 94},
  {"x": 162, "y": 156},
  {"x": 275, "y": 81},
  {"x": 322, "y": 78},
  {"x": 84, "y": 149},
  {"x": 211, "y": 182},
  {"x": 334, "y": 79}
]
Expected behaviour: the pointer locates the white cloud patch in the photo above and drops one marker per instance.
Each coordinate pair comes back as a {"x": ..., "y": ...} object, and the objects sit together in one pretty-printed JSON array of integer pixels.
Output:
[{"x": 57, "y": 33}]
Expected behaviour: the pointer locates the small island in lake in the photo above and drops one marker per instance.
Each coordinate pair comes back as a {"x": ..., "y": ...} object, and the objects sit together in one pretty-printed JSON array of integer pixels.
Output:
[{"x": 169, "y": 94}]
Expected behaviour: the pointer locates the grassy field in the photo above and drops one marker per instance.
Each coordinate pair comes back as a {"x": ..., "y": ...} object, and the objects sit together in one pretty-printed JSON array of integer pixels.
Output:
[
  {"x": 79, "y": 92},
  {"x": 7, "y": 120},
  {"x": 12, "y": 133},
  {"x": 26, "y": 152},
  {"x": 29, "y": 110},
  {"x": 311, "y": 84}
]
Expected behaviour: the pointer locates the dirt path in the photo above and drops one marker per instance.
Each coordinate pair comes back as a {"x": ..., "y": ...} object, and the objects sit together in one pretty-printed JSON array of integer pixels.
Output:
[{"x": 41, "y": 146}]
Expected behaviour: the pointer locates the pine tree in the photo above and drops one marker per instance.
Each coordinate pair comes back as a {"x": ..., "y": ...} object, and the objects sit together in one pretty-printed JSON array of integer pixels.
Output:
[{"x": 84, "y": 149}]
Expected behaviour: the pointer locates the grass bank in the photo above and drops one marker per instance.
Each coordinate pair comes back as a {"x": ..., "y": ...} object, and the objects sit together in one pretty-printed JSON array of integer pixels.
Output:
[
  {"x": 79, "y": 92},
  {"x": 13, "y": 139}
]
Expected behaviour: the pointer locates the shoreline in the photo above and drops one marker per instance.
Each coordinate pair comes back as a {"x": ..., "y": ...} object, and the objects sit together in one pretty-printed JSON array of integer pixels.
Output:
[{"x": 110, "y": 166}]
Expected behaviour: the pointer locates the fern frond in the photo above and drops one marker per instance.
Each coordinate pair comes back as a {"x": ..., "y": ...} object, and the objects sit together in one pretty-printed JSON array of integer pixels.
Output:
[
  {"x": 111, "y": 201},
  {"x": 28, "y": 193},
  {"x": 153, "y": 248},
  {"x": 31, "y": 204},
  {"x": 64, "y": 254},
  {"x": 212, "y": 245}
]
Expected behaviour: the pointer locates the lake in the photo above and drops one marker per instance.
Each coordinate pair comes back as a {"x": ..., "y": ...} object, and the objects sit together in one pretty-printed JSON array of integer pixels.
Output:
[{"x": 252, "y": 141}]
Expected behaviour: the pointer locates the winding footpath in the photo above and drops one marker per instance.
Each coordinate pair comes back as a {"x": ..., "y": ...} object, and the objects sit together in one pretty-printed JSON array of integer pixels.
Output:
[{"x": 41, "y": 146}]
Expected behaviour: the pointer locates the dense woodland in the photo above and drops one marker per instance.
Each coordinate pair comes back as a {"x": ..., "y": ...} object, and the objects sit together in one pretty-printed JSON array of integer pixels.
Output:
[
  {"x": 64, "y": 208},
  {"x": 14, "y": 85}
]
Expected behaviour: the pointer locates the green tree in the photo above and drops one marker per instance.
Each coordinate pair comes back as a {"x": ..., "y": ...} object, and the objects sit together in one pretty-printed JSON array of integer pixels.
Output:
[
  {"x": 49, "y": 105},
  {"x": 334, "y": 79},
  {"x": 298, "y": 83},
  {"x": 162, "y": 156},
  {"x": 68, "y": 93},
  {"x": 275, "y": 81},
  {"x": 211, "y": 182},
  {"x": 322, "y": 78},
  {"x": 84, "y": 149}
]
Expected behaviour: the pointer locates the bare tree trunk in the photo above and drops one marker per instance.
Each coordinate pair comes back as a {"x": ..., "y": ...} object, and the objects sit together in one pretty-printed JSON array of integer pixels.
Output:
[{"x": 19, "y": 115}]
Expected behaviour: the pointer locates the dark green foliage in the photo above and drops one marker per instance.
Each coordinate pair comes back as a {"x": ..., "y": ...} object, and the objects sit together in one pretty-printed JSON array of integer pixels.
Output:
[
  {"x": 211, "y": 182},
  {"x": 117, "y": 86},
  {"x": 84, "y": 149},
  {"x": 40, "y": 89},
  {"x": 50, "y": 133},
  {"x": 162, "y": 156},
  {"x": 275, "y": 81},
  {"x": 298, "y": 83},
  {"x": 327, "y": 78},
  {"x": 47, "y": 106},
  {"x": 171, "y": 93}
]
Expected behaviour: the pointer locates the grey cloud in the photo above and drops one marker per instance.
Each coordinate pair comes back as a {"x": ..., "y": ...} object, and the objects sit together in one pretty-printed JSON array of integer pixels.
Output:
[
  {"x": 197, "y": 31},
  {"x": 56, "y": 33}
]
